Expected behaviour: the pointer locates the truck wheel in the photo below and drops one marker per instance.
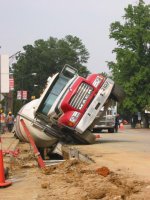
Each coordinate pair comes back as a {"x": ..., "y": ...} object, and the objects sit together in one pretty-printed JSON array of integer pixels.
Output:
[
  {"x": 117, "y": 93},
  {"x": 96, "y": 130},
  {"x": 111, "y": 130}
]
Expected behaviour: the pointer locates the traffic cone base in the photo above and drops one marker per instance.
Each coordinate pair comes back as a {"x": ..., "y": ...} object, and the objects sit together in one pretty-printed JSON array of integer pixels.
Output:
[
  {"x": 121, "y": 126},
  {"x": 3, "y": 183}
]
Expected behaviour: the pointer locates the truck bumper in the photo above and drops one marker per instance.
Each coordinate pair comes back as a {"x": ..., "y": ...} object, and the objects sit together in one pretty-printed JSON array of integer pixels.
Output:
[{"x": 95, "y": 106}]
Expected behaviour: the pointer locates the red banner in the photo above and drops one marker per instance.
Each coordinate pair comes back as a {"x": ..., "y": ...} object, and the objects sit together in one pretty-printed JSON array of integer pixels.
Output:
[
  {"x": 11, "y": 84},
  {"x": 22, "y": 95},
  {"x": 19, "y": 95}
]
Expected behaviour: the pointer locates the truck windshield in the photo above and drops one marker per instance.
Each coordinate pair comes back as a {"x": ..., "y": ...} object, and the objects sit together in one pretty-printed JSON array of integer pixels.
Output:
[{"x": 53, "y": 93}]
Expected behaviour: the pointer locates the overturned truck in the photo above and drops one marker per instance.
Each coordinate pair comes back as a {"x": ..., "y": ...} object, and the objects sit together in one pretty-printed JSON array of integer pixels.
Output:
[{"x": 67, "y": 110}]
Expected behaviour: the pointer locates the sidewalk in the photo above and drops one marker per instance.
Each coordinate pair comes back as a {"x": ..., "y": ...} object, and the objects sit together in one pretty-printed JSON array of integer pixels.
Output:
[{"x": 9, "y": 143}]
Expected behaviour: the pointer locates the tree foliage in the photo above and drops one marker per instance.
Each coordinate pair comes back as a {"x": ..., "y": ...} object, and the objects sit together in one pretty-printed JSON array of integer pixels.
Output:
[
  {"x": 132, "y": 66},
  {"x": 45, "y": 58}
]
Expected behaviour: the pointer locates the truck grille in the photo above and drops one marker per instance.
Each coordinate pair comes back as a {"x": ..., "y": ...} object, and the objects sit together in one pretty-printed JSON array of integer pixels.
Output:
[{"x": 83, "y": 93}]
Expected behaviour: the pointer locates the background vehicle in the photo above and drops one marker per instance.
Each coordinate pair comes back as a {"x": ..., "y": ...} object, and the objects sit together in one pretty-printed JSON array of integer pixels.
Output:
[{"x": 107, "y": 122}]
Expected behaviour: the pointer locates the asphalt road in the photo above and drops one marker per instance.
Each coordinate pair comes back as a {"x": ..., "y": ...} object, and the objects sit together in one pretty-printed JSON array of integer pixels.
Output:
[
  {"x": 132, "y": 140},
  {"x": 127, "y": 150}
]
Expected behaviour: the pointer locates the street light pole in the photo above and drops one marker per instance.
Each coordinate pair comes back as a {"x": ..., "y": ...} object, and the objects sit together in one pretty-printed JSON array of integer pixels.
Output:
[
  {"x": 9, "y": 106},
  {"x": 22, "y": 85},
  {"x": 18, "y": 52},
  {"x": 22, "y": 90}
]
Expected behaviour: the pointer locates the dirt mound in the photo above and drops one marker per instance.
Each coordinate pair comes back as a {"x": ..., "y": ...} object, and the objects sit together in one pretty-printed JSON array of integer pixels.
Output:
[{"x": 74, "y": 179}]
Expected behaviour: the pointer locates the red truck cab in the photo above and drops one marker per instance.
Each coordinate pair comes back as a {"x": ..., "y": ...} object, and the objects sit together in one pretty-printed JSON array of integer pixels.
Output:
[{"x": 73, "y": 102}]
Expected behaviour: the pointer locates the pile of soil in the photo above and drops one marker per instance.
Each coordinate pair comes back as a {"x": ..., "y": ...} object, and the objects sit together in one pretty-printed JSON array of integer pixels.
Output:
[{"x": 74, "y": 179}]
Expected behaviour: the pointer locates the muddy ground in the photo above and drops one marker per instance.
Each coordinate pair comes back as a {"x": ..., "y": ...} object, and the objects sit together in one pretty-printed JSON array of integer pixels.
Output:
[{"x": 70, "y": 180}]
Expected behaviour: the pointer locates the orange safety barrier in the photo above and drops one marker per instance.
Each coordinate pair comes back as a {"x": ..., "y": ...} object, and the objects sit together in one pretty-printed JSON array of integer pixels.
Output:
[
  {"x": 13, "y": 153},
  {"x": 3, "y": 183}
]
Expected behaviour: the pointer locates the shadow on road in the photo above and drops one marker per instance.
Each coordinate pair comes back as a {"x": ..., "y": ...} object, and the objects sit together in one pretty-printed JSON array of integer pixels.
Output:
[{"x": 112, "y": 141}]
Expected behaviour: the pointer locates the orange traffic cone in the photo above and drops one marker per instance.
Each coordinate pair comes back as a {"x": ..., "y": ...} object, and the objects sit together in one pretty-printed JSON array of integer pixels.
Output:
[
  {"x": 121, "y": 126},
  {"x": 3, "y": 183},
  {"x": 97, "y": 136}
]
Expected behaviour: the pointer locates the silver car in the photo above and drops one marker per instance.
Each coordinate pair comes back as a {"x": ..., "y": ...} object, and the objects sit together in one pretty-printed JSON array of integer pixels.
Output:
[{"x": 105, "y": 123}]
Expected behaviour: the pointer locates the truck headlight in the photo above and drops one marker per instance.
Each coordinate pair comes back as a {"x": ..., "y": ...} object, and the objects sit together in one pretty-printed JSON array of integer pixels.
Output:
[{"x": 74, "y": 117}]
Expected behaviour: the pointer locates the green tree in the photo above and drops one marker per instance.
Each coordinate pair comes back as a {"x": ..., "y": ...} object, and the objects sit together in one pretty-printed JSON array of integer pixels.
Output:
[
  {"x": 46, "y": 57},
  {"x": 132, "y": 66}
]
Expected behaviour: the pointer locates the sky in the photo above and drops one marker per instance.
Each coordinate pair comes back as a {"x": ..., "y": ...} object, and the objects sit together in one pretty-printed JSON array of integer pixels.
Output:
[{"x": 23, "y": 22}]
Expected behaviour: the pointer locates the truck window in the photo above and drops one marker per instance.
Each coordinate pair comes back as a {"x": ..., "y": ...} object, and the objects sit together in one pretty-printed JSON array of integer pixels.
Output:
[{"x": 53, "y": 94}]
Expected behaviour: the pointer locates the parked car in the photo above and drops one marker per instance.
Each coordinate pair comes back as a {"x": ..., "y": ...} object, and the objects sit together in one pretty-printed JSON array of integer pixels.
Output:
[{"x": 105, "y": 123}]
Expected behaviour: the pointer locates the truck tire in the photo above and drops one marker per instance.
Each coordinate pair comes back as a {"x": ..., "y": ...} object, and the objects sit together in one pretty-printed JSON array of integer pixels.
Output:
[
  {"x": 111, "y": 130},
  {"x": 97, "y": 130},
  {"x": 117, "y": 93}
]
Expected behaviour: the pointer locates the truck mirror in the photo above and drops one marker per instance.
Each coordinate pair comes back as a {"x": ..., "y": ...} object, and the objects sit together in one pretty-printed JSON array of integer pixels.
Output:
[{"x": 69, "y": 71}]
